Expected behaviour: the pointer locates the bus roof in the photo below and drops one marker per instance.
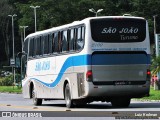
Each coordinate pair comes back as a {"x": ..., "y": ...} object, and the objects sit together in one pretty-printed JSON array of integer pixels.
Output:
[{"x": 77, "y": 23}]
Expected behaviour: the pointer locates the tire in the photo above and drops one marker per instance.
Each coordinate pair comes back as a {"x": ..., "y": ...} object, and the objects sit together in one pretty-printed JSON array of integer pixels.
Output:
[
  {"x": 36, "y": 101},
  {"x": 120, "y": 102},
  {"x": 69, "y": 101}
]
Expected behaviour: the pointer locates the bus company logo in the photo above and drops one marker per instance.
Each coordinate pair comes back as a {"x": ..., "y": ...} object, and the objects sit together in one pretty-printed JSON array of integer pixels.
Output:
[
  {"x": 112, "y": 30},
  {"x": 42, "y": 66},
  {"x": 6, "y": 114}
]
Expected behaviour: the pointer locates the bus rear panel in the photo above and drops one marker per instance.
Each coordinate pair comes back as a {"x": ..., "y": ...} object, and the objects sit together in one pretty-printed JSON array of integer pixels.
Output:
[{"x": 120, "y": 60}]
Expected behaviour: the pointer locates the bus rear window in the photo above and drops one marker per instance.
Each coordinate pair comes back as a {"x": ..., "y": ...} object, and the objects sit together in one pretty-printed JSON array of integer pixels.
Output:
[{"x": 118, "y": 30}]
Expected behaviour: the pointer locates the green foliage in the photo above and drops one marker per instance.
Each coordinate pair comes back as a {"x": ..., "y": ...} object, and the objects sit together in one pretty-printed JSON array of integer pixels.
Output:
[
  {"x": 8, "y": 81},
  {"x": 155, "y": 67},
  {"x": 54, "y": 12},
  {"x": 58, "y": 12}
]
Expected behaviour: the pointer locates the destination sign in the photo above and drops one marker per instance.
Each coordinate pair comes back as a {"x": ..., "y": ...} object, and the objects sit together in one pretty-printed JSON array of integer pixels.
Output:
[{"x": 118, "y": 30}]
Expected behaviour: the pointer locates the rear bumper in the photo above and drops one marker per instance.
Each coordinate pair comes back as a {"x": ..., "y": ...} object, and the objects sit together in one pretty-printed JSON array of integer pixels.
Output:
[{"x": 132, "y": 91}]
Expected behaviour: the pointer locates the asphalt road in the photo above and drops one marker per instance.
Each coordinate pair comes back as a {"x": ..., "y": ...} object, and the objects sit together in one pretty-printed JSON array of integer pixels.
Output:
[{"x": 16, "y": 103}]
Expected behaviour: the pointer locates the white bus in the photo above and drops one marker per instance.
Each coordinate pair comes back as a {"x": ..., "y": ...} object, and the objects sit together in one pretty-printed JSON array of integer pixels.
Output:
[{"x": 97, "y": 59}]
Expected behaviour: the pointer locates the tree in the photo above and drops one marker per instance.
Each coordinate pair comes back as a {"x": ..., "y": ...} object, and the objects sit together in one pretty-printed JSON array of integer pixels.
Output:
[
  {"x": 5, "y": 9},
  {"x": 155, "y": 67}
]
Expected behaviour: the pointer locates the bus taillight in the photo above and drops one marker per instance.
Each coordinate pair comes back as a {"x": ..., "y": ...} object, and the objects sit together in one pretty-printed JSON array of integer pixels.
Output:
[
  {"x": 89, "y": 76},
  {"x": 148, "y": 73}
]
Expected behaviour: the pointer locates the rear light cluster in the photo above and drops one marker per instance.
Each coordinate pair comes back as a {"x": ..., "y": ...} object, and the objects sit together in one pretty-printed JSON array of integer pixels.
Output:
[
  {"x": 148, "y": 73},
  {"x": 89, "y": 76}
]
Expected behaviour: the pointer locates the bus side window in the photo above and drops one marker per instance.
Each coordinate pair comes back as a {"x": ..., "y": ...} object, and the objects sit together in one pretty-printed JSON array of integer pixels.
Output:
[
  {"x": 64, "y": 41},
  {"x": 31, "y": 47},
  {"x": 60, "y": 41},
  {"x": 71, "y": 41},
  {"x": 40, "y": 48},
  {"x": 55, "y": 41},
  {"x": 34, "y": 47},
  {"x": 80, "y": 38},
  {"x": 83, "y": 36},
  {"x": 50, "y": 43},
  {"x": 78, "y": 42},
  {"x": 38, "y": 51},
  {"x": 42, "y": 45},
  {"x": 46, "y": 44},
  {"x": 75, "y": 38},
  {"x": 68, "y": 39}
]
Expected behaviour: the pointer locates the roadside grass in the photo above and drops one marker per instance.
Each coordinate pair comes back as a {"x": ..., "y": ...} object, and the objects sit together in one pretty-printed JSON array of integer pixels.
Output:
[{"x": 10, "y": 89}]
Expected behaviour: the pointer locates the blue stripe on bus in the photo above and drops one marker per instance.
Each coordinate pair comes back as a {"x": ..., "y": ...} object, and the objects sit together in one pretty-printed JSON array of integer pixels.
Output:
[
  {"x": 99, "y": 59},
  {"x": 70, "y": 62}
]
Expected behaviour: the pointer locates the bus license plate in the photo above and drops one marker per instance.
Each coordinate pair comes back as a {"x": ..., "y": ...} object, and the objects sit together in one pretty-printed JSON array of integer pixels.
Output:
[{"x": 121, "y": 83}]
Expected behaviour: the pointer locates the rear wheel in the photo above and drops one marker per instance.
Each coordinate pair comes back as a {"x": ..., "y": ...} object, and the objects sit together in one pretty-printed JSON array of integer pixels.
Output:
[
  {"x": 36, "y": 101},
  {"x": 120, "y": 102},
  {"x": 69, "y": 101}
]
